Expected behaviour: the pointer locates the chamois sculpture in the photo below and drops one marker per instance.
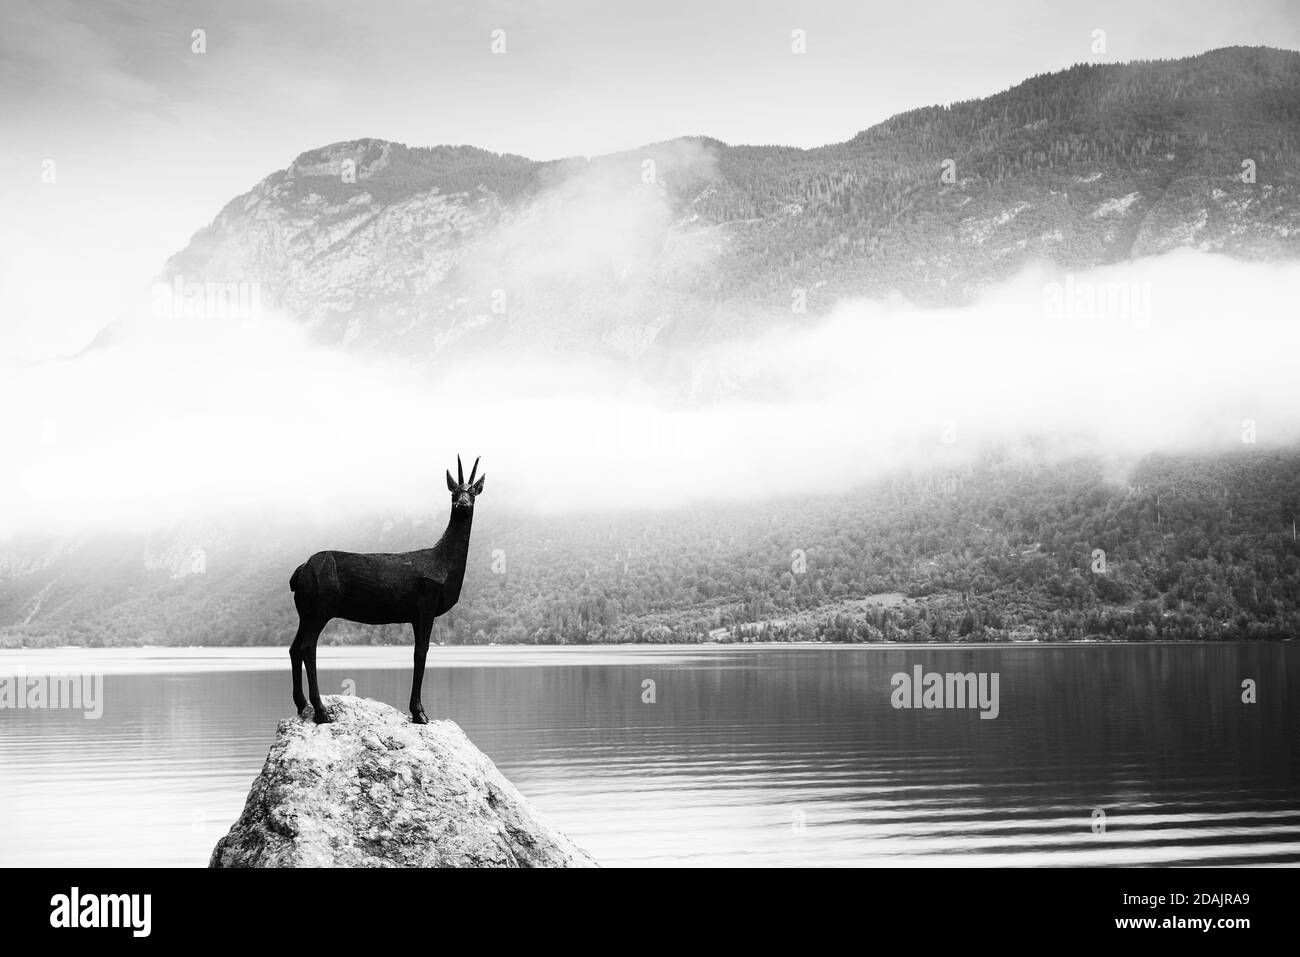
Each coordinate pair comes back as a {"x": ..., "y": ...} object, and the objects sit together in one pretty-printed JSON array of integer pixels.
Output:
[{"x": 383, "y": 589}]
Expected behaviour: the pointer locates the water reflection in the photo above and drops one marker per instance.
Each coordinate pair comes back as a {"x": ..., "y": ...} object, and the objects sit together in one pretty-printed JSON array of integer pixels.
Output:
[{"x": 760, "y": 756}]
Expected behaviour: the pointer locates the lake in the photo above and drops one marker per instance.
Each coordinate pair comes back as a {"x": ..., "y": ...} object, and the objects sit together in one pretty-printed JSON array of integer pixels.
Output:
[{"x": 748, "y": 755}]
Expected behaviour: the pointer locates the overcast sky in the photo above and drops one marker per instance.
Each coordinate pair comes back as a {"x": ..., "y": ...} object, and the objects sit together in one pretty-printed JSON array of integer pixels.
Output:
[{"x": 150, "y": 139}]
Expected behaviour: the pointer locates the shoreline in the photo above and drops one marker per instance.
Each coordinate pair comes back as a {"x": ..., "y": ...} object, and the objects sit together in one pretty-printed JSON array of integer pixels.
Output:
[{"x": 146, "y": 660}]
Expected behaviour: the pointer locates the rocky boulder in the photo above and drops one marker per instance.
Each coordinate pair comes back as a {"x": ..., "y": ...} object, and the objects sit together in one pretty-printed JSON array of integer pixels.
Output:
[{"x": 372, "y": 789}]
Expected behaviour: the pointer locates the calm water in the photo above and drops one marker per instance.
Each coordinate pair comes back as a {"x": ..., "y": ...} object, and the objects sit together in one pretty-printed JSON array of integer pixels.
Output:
[{"x": 749, "y": 756}]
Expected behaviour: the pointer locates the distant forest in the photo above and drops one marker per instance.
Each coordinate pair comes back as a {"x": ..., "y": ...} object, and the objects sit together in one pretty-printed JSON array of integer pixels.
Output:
[
  {"x": 1200, "y": 548},
  {"x": 1177, "y": 548}
]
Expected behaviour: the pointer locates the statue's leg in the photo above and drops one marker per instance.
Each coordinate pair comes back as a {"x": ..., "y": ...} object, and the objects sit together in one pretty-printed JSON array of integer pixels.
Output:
[
  {"x": 295, "y": 660},
  {"x": 423, "y": 631},
  {"x": 319, "y": 714}
]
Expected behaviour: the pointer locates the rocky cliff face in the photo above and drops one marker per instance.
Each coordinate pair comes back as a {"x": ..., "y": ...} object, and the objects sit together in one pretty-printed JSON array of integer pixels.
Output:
[
  {"x": 379, "y": 246},
  {"x": 373, "y": 790}
]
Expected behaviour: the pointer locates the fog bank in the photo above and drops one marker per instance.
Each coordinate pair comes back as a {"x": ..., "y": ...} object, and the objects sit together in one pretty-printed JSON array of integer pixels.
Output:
[{"x": 1185, "y": 352}]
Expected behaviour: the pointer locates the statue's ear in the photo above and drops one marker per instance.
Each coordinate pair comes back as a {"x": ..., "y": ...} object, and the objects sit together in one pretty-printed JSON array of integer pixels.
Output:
[
  {"x": 478, "y": 486},
  {"x": 451, "y": 486}
]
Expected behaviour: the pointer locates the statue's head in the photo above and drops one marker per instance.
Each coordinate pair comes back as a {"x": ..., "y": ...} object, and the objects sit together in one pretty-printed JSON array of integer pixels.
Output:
[{"x": 463, "y": 493}]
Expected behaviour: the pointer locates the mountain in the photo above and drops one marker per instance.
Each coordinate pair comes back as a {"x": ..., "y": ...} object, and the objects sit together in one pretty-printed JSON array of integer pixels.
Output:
[
  {"x": 442, "y": 253},
  {"x": 427, "y": 251}
]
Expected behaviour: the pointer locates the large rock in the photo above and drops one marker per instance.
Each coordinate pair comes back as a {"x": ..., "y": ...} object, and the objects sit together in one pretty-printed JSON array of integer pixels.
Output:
[{"x": 374, "y": 790}]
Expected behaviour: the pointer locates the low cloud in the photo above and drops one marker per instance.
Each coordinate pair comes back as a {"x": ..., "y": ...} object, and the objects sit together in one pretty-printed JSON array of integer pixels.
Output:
[{"x": 228, "y": 419}]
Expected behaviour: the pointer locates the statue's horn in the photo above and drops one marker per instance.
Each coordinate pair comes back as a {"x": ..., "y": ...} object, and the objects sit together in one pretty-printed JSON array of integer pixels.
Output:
[
  {"x": 460, "y": 471},
  {"x": 473, "y": 470}
]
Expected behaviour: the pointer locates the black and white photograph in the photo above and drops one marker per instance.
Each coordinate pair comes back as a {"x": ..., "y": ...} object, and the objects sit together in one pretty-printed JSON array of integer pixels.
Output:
[{"x": 713, "y": 435}]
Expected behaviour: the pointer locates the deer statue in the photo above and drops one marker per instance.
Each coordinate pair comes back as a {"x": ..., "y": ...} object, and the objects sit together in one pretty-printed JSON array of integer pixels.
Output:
[{"x": 383, "y": 589}]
